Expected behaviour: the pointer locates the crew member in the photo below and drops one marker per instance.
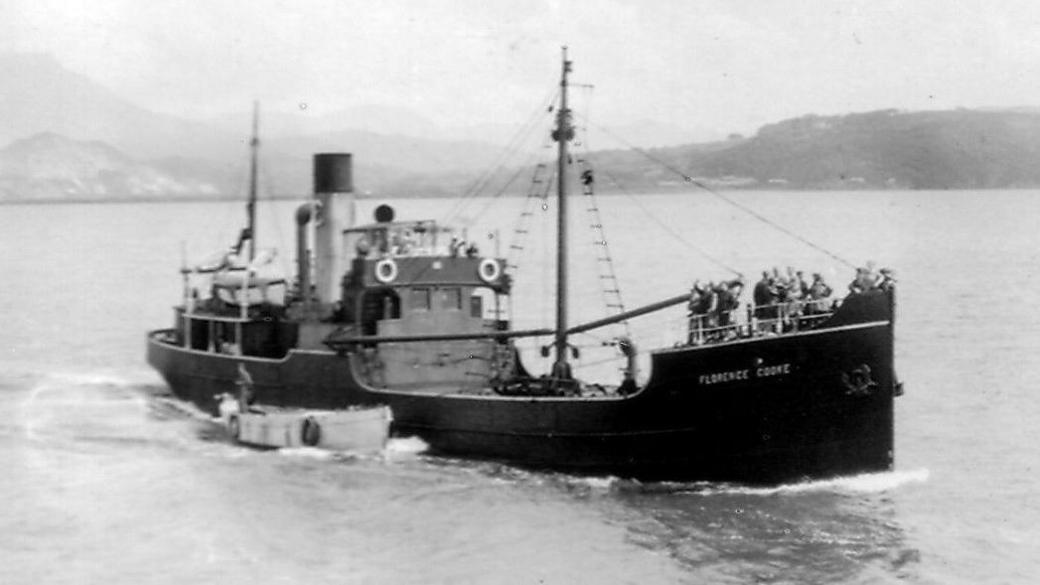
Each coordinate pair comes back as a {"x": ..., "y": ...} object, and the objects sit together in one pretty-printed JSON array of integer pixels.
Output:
[
  {"x": 246, "y": 394},
  {"x": 728, "y": 294},
  {"x": 694, "y": 314},
  {"x": 819, "y": 292},
  {"x": 888, "y": 279}
]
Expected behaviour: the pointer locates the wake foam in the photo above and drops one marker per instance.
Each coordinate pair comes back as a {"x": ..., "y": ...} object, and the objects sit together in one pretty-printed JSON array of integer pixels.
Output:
[
  {"x": 185, "y": 409},
  {"x": 73, "y": 409},
  {"x": 405, "y": 446},
  {"x": 867, "y": 483},
  {"x": 394, "y": 449},
  {"x": 309, "y": 453},
  {"x": 88, "y": 379}
]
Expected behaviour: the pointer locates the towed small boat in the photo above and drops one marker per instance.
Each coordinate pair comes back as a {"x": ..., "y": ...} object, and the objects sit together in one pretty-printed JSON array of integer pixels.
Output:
[
  {"x": 357, "y": 430},
  {"x": 395, "y": 314}
]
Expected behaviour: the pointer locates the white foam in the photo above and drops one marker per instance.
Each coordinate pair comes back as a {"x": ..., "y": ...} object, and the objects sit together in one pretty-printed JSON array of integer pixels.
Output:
[
  {"x": 88, "y": 379},
  {"x": 308, "y": 453},
  {"x": 600, "y": 483},
  {"x": 405, "y": 445},
  {"x": 57, "y": 392},
  {"x": 863, "y": 483},
  {"x": 188, "y": 409}
]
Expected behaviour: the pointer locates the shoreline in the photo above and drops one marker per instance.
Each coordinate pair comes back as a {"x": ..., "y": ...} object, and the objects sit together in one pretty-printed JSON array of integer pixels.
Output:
[{"x": 608, "y": 193}]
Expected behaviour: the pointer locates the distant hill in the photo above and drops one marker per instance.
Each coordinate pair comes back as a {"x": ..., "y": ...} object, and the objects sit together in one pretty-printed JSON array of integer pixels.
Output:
[
  {"x": 51, "y": 167},
  {"x": 959, "y": 149},
  {"x": 887, "y": 149},
  {"x": 38, "y": 95},
  {"x": 70, "y": 137},
  {"x": 387, "y": 120}
]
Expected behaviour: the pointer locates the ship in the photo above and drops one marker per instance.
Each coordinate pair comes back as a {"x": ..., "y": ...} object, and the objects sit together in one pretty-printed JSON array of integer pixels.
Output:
[{"x": 394, "y": 313}]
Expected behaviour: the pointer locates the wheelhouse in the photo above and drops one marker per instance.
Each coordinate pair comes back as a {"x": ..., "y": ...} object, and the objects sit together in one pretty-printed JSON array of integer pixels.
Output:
[{"x": 415, "y": 279}]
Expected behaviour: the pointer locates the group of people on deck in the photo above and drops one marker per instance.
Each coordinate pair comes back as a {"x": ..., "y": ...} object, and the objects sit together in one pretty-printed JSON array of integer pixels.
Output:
[
  {"x": 868, "y": 279},
  {"x": 459, "y": 248},
  {"x": 777, "y": 294},
  {"x": 712, "y": 305},
  {"x": 781, "y": 300}
]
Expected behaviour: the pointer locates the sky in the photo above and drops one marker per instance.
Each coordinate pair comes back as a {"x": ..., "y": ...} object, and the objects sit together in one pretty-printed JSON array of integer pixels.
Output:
[{"x": 716, "y": 64}]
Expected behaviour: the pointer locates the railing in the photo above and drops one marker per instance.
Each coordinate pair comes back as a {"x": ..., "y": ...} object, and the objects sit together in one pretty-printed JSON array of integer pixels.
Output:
[{"x": 758, "y": 320}]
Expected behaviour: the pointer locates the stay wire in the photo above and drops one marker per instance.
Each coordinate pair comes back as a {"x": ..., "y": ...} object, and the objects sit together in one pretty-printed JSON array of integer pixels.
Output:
[
  {"x": 522, "y": 226},
  {"x": 270, "y": 190},
  {"x": 505, "y": 154},
  {"x": 667, "y": 228},
  {"x": 729, "y": 200},
  {"x": 491, "y": 200}
]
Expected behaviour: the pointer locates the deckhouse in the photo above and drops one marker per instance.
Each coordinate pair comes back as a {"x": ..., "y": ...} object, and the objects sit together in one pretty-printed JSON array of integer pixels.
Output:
[{"x": 410, "y": 280}]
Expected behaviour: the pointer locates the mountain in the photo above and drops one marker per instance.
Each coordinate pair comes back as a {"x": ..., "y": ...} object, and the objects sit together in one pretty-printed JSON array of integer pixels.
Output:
[
  {"x": 395, "y": 121},
  {"x": 956, "y": 149},
  {"x": 375, "y": 119},
  {"x": 79, "y": 131},
  {"x": 52, "y": 167},
  {"x": 48, "y": 166},
  {"x": 39, "y": 95},
  {"x": 885, "y": 149}
]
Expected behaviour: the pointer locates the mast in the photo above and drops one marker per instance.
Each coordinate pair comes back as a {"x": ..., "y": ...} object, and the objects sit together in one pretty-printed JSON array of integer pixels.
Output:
[
  {"x": 563, "y": 133},
  {"x": 254, "y": 148}
]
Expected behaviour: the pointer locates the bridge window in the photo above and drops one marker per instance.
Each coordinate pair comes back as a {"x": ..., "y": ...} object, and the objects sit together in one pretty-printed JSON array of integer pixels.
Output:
[
  {"x": 376, "y": 305},
  {"x": 419, "y": 299},
  {"x": 450, "y": 299}
]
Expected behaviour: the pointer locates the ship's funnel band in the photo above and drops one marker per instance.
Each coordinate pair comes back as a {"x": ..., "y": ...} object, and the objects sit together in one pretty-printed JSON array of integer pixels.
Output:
[
  {"x": 334, "y": 213},
  {"x": 333, "y": 173}
]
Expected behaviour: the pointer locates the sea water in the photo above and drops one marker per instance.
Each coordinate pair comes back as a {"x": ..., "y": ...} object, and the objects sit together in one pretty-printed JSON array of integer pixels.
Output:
[{"x": 106, "y": 480}]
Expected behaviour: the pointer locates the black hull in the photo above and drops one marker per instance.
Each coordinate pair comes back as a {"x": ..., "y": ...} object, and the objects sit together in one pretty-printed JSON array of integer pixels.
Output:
[{"x": 768, "y": 409}]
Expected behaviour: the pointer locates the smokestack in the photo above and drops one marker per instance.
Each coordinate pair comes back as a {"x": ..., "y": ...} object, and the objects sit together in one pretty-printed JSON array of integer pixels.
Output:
[
  {"x": 334, "y": 192},
  {"x": 333, "y": 173}
]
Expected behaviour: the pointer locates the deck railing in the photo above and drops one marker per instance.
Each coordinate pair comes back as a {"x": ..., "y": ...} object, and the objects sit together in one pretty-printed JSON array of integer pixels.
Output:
[{"x": 758, "y": 320}]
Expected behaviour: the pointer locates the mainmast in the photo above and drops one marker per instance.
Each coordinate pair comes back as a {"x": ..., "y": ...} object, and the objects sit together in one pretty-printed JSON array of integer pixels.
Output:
[
  {"x": 563, "y": 133},
  {"x": 254, "y": 148}
]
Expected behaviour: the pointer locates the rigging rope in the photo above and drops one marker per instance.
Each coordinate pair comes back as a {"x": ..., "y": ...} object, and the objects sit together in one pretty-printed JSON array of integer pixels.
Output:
[
  {"x": 491, "y": 200},
  {"x": 523, "y": 227},
  {"x": 668, "y": 229},
  {"x": 729, "y": 200},
  {"x": 610, "y": 287},
  {"x": 504, "y": 155},
  {"x": 269, "y": 190}
]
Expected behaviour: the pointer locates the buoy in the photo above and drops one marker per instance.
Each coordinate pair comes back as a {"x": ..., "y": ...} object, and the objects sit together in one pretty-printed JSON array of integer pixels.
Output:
[
  {"x": 386, "y": 270},
  {"x": 489, "y": 270}
]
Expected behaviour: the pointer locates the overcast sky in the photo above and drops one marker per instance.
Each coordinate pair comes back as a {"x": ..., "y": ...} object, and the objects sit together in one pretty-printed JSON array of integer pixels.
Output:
[{"x": 716, "y": 64}]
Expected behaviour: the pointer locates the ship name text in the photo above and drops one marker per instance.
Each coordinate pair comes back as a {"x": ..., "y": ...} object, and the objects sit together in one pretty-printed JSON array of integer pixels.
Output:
[{"x": 744, "y": 374}]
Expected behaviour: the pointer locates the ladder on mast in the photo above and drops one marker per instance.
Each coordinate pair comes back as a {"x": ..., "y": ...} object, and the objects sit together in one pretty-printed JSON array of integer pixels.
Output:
[
  {"x": 607, "y": 276},
  {"x": 539, "y": 189}
]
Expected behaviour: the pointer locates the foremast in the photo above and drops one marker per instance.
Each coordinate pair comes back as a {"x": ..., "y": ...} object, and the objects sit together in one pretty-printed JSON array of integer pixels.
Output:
[
  {"x": 562, "y": 134},
  {"x": 254, "y": 149}
]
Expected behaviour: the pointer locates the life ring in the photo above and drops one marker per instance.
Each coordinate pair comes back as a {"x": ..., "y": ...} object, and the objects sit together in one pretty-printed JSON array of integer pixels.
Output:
[
  {"x": 386, "y": 270},
  {"x": 489, "y": 270},
  {"x": 310, "y": 434},
  {"x": 234, "y": 427}
]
